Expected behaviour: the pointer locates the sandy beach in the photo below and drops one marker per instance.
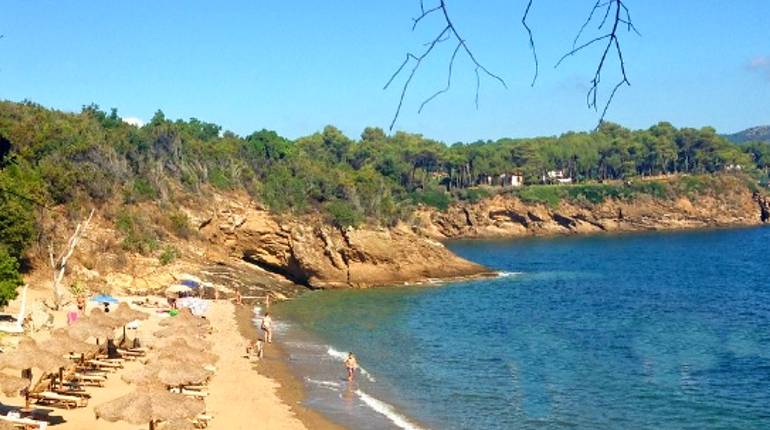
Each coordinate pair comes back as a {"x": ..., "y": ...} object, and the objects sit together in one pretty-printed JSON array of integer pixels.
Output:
[{"x": 244, "y": 394}]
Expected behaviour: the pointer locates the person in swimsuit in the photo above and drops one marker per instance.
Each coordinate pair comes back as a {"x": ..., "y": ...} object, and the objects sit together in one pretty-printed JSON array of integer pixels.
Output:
[
  {"x": 81, "y": 305},
  {"x": 267, "y": 327},
  {"x": 351, "y": 365}
]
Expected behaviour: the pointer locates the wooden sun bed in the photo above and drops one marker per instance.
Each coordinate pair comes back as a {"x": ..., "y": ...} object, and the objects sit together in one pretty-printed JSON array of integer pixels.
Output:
[
  {"x": 25, "y": 422},
  {"x": 107, "y": 364},
  {"x": 84, "y": 378},
  {"x": 54, "y": 399},
  {"x": 191, "y": 393}
]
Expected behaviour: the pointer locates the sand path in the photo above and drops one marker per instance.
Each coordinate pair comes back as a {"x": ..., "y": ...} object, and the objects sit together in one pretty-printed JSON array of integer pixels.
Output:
[{"x": 240, "y": 398}]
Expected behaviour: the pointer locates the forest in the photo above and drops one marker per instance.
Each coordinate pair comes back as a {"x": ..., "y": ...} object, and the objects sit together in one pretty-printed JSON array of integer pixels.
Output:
[{"x": 74, "y": 161}]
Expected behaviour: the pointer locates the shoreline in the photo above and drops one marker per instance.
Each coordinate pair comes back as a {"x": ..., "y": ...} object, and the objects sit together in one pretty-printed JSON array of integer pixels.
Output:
[
  {"x": 291, "y": 389},
  {"x": 618, "y": 232}
]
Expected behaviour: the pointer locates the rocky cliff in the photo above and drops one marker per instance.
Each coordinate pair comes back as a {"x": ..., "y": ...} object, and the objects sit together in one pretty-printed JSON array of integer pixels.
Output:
[
  {"x": 311, "y": 252},
  {"x": 506, "y": 216}
]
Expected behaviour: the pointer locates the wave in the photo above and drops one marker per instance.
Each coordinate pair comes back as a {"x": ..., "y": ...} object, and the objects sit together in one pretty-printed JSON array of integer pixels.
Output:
[
  {"x": 326, "y": 384},
  {"x": 341, "y": 356},
  {"x": 388, "y": 411},
  {"x": 508, "y": 274}
]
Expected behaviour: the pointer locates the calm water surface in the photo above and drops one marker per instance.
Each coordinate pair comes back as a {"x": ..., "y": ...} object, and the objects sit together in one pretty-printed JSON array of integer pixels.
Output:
[{"x": 649, "y": 331}]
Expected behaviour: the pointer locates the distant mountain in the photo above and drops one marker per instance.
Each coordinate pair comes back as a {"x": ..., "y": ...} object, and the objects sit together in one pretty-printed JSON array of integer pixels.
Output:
[{"x": 753, "y": 134}]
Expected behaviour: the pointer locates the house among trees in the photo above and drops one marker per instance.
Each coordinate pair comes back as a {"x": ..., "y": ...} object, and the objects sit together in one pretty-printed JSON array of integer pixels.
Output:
[{"x": 556, "y": 177}]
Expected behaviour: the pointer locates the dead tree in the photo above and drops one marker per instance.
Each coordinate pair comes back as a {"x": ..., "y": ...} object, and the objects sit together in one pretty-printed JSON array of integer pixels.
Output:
[{"x": 59, "y": 265}]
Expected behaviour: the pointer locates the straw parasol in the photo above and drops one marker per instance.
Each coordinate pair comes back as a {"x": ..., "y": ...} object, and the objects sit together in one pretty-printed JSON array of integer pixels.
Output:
[
  {"x": 173, "y": 373},
  {"x": 176, "y": 425},
  {"x": 182, "y": 330},
  {"x": 30, "y": 355},
  {"x": 61, "y": 343},
  {"x": 191, "y": 341},
  {"x": 86, "y": 328},
  {"x": 186, "y": 317},
  {"x": 12, "y": 385},
  {"x": 179, "y": 349},
  {"x": 149, "y": 404},
  {"x": 105, "y": 319},
  {"x": 125, "y": 313}
]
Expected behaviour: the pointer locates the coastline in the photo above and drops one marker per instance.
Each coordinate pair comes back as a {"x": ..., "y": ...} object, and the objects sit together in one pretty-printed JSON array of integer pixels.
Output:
[{"x": 273, "y": 365}]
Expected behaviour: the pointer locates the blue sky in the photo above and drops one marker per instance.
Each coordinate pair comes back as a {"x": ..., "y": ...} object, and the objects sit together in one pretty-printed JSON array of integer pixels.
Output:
[{"x": 295, "y": 66}]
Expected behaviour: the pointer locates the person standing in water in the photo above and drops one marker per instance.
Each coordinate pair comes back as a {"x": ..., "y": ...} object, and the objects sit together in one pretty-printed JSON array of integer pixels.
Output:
[
  {"x": 351, "y": 365},
  {"x": 267, "y": 327}
]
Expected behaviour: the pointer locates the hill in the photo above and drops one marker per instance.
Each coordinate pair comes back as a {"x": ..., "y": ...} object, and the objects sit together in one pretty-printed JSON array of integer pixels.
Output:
[
  {"x": 753, "y": 134},
  {"x": 327, "y": 210}
]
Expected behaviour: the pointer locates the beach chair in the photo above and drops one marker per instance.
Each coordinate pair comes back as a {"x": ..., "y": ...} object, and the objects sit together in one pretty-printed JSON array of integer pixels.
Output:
[
  {"x": 202, "y": 420},
  {"x": 25, "y": 423},
  {"x": 52, "y": 398},
  {"x": 106, "y": 364},
  {"x": 86, "y": 379},
  {"x": 198, "y": 394}
]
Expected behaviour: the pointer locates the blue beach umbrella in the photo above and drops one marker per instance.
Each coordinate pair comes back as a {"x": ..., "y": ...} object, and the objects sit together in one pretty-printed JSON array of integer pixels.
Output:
[
  {"x": 190, "y": 283},
  {"x": 104, "y": 298}
]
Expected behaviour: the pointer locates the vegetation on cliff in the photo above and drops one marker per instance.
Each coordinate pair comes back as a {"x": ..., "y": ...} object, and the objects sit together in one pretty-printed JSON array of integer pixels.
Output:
[{"x": 73, "y": 161}]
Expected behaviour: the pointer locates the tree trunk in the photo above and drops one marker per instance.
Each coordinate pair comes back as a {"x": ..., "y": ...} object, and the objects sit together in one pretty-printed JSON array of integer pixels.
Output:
[{"x": 59, "y": 266}]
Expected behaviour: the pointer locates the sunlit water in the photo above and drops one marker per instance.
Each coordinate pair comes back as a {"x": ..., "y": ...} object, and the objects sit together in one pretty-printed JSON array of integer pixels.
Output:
[{"x": 650, "y": 331}]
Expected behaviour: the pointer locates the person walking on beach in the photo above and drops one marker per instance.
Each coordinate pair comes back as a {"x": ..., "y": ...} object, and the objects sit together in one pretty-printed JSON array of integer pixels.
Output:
[
  {"x": 238, "y": 298},
  {"x": 351, "y": 365},
  {"x": 267, "y": 327}
]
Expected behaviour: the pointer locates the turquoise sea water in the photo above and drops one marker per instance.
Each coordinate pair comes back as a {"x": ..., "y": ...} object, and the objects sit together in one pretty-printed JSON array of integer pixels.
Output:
[{"x": 648, "y": 331}]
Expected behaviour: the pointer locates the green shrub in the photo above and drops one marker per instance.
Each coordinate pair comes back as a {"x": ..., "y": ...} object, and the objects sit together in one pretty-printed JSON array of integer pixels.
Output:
[
  {"x": 473, "y": 195},
  {"x": 219, "y": 179},
  {"x": 10, "y": 279},
  {"x": 343, "y": 214},
  {"x": 436, "y": 198},
  {"x": 168, "y": 255},
  {"x": 550, "y": 195},
  {"x": 138, "y": 235},
  {"x": 180, "y": 224},
  {"x": 143, "y": 190}
]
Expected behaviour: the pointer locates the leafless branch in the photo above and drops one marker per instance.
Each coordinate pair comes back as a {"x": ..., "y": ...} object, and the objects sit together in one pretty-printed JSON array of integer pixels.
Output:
[
  {"x": 531, "y": 41},
  {"x": 449, "y": 31},
  {"x": 611, "y": 44}
]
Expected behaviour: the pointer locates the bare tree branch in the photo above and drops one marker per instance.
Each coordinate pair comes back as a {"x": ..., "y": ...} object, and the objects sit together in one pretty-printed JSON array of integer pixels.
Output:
[
  {"x": 531, "y": 41},
  {"x": 620, "y": 16},
  {"x": 449, "y": 31}
]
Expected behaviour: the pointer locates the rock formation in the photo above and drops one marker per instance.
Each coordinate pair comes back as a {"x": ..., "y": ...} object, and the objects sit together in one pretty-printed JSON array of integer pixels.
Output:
[
  {"x": 505, "y": 216},
  {"x": 311, "y": 252}
]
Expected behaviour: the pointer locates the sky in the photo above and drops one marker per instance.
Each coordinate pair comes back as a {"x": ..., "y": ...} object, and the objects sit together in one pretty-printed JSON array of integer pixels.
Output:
[{"x": 295, "y": 66}]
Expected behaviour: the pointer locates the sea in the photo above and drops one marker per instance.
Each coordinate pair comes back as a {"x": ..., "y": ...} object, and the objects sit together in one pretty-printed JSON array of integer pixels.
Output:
[{"x": 632, "y": 331}]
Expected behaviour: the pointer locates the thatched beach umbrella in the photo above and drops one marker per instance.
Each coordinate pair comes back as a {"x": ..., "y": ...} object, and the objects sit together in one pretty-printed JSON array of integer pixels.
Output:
[
  {"x": 178, "y": 425},
  {"x": 12, "y": 385},
  {"x": 86, "y": 328},
  {"x": 180, "y": 349},
  {"x": 185, "y": 317},
  {"x": 173, "y": 373},
  {"x": 29, "y": 355},
  {"x": 61, "y": 343},
  {"x": 105, "y": 319},
  {"x": 182, "y": 331},
  {"x": 193, "y": 342},
  {"x": 150, "y": 404},
  {"x": 126, "y": 314}
]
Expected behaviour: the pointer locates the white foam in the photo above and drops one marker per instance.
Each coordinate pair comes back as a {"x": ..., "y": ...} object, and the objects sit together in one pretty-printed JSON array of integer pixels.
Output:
[
  {"x": 341, "y": 356},
  {"x": 326, "y": 384},
  {"x": 388, "y": 411},
  {"x": 508, "y": 274}
]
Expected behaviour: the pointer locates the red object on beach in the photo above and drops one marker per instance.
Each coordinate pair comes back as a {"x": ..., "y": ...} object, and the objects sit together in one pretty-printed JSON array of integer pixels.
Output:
[{"x": 72, "y": 316}]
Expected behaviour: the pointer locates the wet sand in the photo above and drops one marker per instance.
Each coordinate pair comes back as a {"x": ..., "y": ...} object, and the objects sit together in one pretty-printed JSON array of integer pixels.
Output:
[{"x": 274, "y": 366}]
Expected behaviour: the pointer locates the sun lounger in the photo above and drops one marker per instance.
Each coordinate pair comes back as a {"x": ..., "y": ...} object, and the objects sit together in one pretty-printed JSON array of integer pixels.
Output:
[
  {"x": 97, "y": 380},
  {"x": 108, "y": 364},
  {"x": 191, "y": 393},
  {"x": 25, "y": 423},
  {"x": 202, "y": 420},
  {"x": 52, "y": 398}
]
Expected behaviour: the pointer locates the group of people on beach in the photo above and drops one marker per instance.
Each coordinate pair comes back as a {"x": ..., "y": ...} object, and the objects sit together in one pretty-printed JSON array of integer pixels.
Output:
[{"x": 266, "y": 325}]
